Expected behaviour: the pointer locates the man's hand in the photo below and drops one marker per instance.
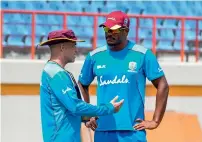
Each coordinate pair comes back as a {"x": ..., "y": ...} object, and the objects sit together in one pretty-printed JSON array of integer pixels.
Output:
[
  {"x": 92, "y": 123},
  {"x": 117, "y": 105},
  {"x": 144, "y": 124}
]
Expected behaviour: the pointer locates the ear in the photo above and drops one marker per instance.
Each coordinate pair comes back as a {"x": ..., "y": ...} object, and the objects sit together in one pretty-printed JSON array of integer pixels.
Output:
[
  {"x": 61, "y": 47},
  {"x": 126, "y": 32}
]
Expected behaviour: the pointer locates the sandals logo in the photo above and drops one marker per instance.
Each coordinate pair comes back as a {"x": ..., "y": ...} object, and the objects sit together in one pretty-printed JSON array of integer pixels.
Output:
[{"x": 116, "y": 80}]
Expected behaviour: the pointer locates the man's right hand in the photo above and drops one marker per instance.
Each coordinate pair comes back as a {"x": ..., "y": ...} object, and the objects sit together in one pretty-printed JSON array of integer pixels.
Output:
[{"x": 117, "y": 105}]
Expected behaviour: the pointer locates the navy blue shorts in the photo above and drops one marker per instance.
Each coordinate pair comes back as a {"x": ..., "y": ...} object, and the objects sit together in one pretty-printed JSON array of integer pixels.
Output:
[{"x": 120, "y": 136}]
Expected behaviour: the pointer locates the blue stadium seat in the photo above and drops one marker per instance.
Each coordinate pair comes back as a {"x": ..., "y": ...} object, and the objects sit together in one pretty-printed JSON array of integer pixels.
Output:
[
  {"x": 42, "y": 30},
  {"x": 200, "y": 25},
  {"x": 88, "y": 31},
  {"x": 145, "y": 23},
  {"x": 12, "y": 5},
  {"x": 4, "y": 5},
  {"x": 58, "y": 6},
  {"x": 98, "y": 4},
  {"x": 135, "y": 6},
  {"x": 166, "y": 34},
  {"x": 148, "y": 22},
  {"x": 177, "y": 46},
  {"x": 55, "y": 5},
  {"x": 22, "y": 4},
  {"x": 22, "y": 29},
  {"x": 143, "y": 33},
  {"x": 82, "y": 3},
  {"x": 111, "y": 4},
  {"x": 40, "y": 5},
  {"x": 74, "y": 6},
  {"x": 194, "y": 7},
  {"x": 133, "y": 23},
  {"x": 53, "y": 28},
  {"x": 29, "y": 5},
  {"x": 27, "y": 18},
  {"x": 73, "y": 20},
  {"x": 79, "y": 31},
  {"x": 147, "y": 44},
  {"x": 123, "y": 6},
  {"x": 178, "y": 34},
  {"x": 7, "y": 17},
  {"x": 88, "y": 20},
  {"x": 70, "y": 6},
  {"x": 147, "y": 33},
  {"x": 17, "y": 18},
  {"x": 101, "y": 20},
  {"x": 151, "y": 9},
  {"x": 28, "y": 41},
  {"x": 90, "y": 8},
  {"x": 16, "y": 29},
  {"x": 189, "y": 24},
  {"x": 132, "y": 33},
  {"x": 41, "y": 19},
  {"x": 167, "y": 8},
  {"x": 185, "y": 12},
  {"x": 170, "y": 23},
  {"x": 7, "y": 30},
  {"x": 15, "y": 41},
  {"x": 27, "y": 29},
  {"x": 134, "y": 11},
  {"x": 188, "y": 34},
  {"x": 55, "y": 19},
  {"x": 164, "y": 45},
  {"x": 4, "y": 41}
]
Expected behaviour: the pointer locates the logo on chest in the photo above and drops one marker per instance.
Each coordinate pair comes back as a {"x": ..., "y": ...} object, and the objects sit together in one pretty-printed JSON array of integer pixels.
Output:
[
  {"x": 101, "y": 66},
  {"x": 132, "y": 67},
  {"x": 116, "y": 80}
]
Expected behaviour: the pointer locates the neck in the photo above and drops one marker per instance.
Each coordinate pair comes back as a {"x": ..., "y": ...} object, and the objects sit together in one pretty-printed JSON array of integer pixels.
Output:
[
  {"x": 58, "y": 61},
  {"x": 120, "y": 46}
]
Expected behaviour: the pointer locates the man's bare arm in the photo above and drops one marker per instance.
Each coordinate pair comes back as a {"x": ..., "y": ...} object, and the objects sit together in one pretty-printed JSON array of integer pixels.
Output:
[
  {"x": 85, "y": 92},
  {"x": 161, "y": 102},
  {"x": 161, "y": 98}
]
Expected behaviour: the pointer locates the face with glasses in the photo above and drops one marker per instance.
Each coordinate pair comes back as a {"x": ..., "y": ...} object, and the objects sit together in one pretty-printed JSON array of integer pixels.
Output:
[{"x": 115, "y": 37}]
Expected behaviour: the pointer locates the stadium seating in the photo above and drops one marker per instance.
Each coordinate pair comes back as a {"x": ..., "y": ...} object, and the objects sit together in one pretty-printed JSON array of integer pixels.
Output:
[{"x": 168, "y": 32}]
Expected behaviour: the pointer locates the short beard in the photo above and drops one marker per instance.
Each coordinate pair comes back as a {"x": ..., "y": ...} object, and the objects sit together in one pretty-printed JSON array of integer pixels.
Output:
[{"x": 114, "y": 44}]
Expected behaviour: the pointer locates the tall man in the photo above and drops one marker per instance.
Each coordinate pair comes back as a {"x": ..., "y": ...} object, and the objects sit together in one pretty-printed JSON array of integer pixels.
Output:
[
  {"x": 61, "y": 104},
  {"x": 121, "y": 68}
]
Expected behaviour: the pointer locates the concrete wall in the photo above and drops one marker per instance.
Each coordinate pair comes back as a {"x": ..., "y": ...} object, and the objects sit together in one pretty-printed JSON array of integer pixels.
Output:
[
  {"x": 29, "y": 71},
  {"x": 21, "y": 115}
]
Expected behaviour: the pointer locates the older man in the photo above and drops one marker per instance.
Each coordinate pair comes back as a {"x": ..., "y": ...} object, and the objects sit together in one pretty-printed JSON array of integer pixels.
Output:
[{"x": 61, "y": 104}]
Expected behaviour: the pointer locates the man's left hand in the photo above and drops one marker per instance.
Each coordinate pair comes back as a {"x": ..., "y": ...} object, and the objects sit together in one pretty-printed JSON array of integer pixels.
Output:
[{"x": 144, "y": 124}]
